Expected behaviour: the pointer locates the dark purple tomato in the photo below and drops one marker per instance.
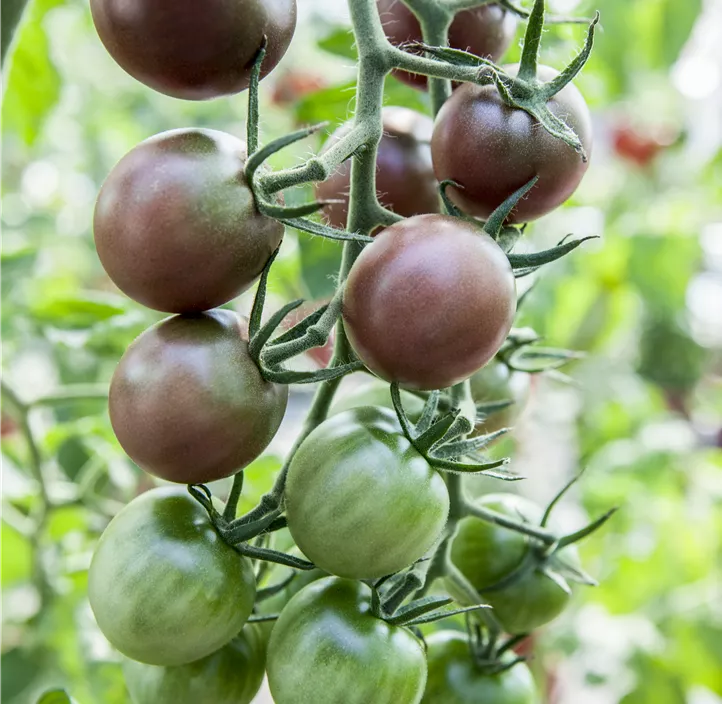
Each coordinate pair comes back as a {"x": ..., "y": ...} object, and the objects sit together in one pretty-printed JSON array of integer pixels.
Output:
[
  {"x": 176, "y": 226},
  {"x": 405, "y": 180},
  {"x": 429, "y": 302},
  {"x": 190, "y": 49},
  {"x": 492, "y": 150},
  {"x": 486, "y": 31},
  {"x": 187, "y": 402}
]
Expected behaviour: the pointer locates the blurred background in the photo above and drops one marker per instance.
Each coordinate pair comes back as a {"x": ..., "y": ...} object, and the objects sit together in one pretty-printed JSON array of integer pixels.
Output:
[{"x": 642, "y": 411}]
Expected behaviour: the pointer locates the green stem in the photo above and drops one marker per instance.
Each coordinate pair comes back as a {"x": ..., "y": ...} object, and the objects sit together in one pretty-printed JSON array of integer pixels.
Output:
[
  {"x": 72, "y": 393},
  {"x": 501, "y": 520},
  {"x": 41, "y": 513},
  {"x": 12, "y": 12}
]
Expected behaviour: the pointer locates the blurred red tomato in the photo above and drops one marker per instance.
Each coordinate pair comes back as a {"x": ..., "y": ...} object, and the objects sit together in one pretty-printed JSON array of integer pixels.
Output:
[{"x": 294, "y": 85}]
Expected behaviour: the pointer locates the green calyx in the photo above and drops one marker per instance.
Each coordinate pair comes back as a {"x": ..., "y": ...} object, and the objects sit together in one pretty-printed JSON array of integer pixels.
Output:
[{"x": 525, "y": 92}]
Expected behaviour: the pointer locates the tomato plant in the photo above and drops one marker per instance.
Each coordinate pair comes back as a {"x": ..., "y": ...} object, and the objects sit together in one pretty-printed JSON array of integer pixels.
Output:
[
  {"x": 456, "y": 678},
  {"x": 372, "y": 495},
  {"x": 191, "y": 52},
  {"x": 327, "y": 646},
  {"x": 164, "y": 588},
  {"x": 486, "y": 31},
  {"x": 231, "y": 675},
  {"x": 405, "y": 178},
  {"x": 178, "y": 199},
  {"x": 491, "y": 149},
  {"x": 360, "y": 499},
  {"x": 188, "y": 403},
  {"x": 399, "y": 310}
]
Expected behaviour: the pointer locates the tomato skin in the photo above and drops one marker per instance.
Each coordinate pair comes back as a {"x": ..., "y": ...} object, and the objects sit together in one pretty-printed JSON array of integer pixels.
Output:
[
  {"x": 187, "y": 51},
  {"x": 327, "y": 647},
  {"x": 232, "y": 675},
  {"x": 164, "y": 588},
  {"x": 429, "y": 302},
  {"x": 496, "y": 383},
  {"x": 187, "y": 402},
  {"x": 176, "y": 226},
  {"x": 492, "y": 150},
  {"x": 405, "y": 180},
  {"x": 454, "y": 678},
  {"x": 485, "y": 31},
  {"x": 486, "y": 554},
  {"x": 361, "y": 502}
]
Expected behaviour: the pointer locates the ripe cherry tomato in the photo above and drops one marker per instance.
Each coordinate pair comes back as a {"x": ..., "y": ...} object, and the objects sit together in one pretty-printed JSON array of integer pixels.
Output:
[
  {"x": 187, "y": 402},
  {"x": 486, "y": 554},
  {"x": 231, "y": 675},
  {"x": 486, "y": 31},
  {"x": 164, "y": 588},
  {"x": 327, "y": 647},
  {"x": 405, "y": 179},
  {"x": 429, "y": 302},
  {"x": 194, "y": 50},
  {"x": 492, "y": 150},
  {"x": 176, "y": 226},
  {"x": 361, "y": 502},
  {"x": 454, "y": 677},
  {"x": 496, "y": 383},
  {"x": 294, "y": 85}
]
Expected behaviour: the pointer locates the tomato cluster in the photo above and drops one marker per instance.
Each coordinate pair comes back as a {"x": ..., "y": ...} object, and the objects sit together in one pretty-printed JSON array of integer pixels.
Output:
[{"x": 429, "y": 303}]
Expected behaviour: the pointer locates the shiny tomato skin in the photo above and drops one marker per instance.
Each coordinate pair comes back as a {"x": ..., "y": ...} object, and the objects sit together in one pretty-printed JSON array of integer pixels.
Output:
[
  {"x": 429, "y": 302},
  {"x": 486, "y": 554},
  {"x": 405, "y": 180},
  {"x": 231, "y": 675},
  {"x": 164, "y": 588},
  {"x": 188, "y": 403},
  {"x": 361, "y": 502},
  {"x": 192, "y": 50},
  {"x": 495, "y": 382},
  {"x": 492, "y": 150},
  {"x": 327, "y": 648},
  {"x": 454, "y": 678},
  {"x": 176, "y": 226},
  {"x": 486, "y": 31}
]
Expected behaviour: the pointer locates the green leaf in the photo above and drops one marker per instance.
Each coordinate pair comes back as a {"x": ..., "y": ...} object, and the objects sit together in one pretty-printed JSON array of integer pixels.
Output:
[
  {"x": 16, "y": 559},
  {"x": 33, "y": 83},
  {"x": 340, "y": 42},
  {"x": 55, "y": 696},
  {"x": 333, "y": 104},
  {"x": 76, "y": 311},
  {"x": 320, "y": 260}
]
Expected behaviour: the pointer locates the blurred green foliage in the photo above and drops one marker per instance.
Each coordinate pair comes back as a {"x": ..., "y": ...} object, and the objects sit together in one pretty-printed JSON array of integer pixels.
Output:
[{"x": 637, "y": 411}]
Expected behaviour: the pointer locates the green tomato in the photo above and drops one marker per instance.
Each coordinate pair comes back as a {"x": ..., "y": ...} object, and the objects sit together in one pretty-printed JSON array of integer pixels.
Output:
[
  {"x": 454, "y": 677},
  {"x": 361, "y": 502},
  {"x": 376, "y": 392},
  {"x": 486, "y": 554},
  {"x": 495, "y": 382},
  {"x": 164, "y": 587},
  {"x": 232, "y": 675},
  {"x": 327, "y": 647}
]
